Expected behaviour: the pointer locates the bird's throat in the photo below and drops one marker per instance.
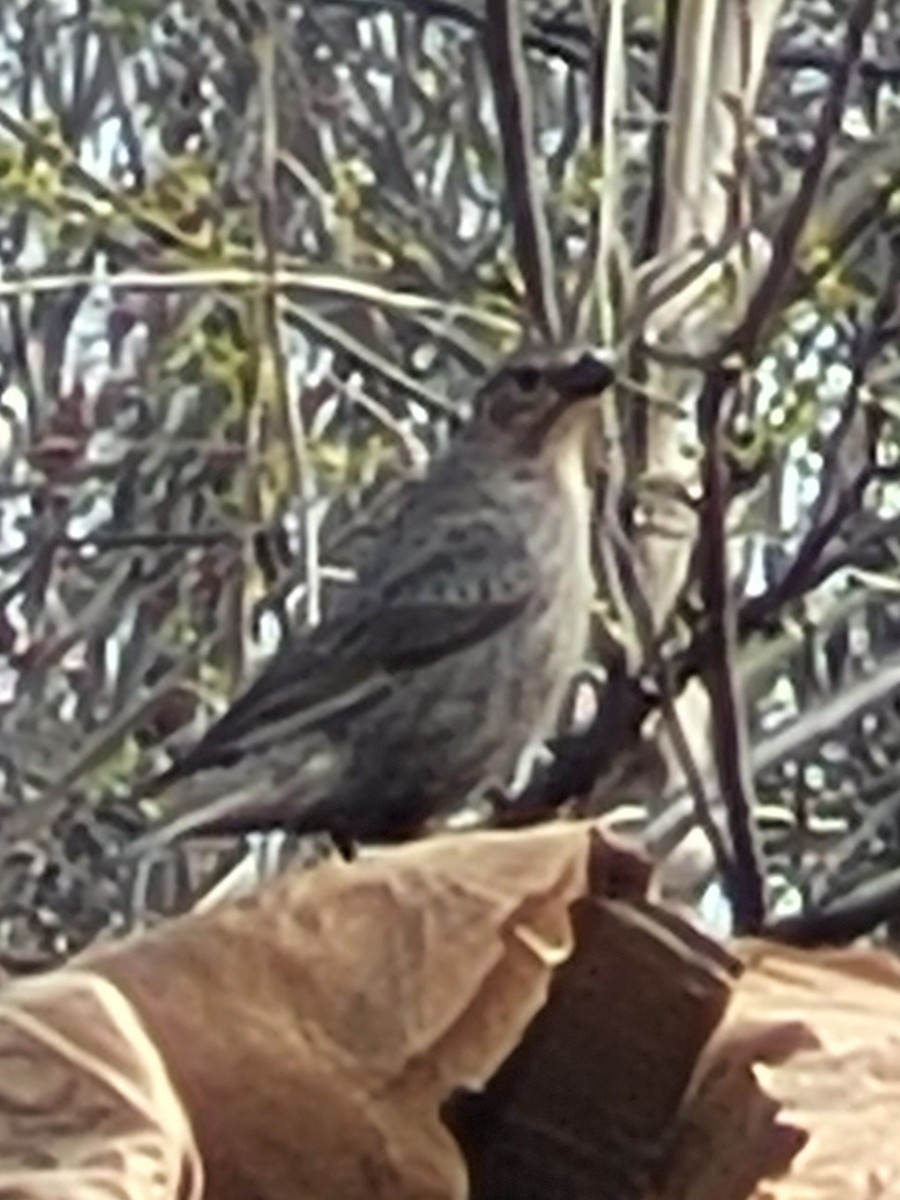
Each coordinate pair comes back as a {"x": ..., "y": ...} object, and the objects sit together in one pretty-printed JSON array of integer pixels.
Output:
[{"x": 568, "y": 452}]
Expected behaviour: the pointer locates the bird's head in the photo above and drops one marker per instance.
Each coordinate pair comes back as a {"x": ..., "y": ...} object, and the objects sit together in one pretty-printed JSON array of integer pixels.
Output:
[{"x": 531, "y": 402}]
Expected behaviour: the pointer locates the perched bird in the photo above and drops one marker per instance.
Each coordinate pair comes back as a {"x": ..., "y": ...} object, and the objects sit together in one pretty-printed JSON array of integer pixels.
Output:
[{"x": 450, "y": 653}]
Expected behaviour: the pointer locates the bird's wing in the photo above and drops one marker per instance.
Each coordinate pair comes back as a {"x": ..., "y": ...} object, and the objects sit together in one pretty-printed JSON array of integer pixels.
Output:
[
  {"x": 300, "y": 688},
  {"x": 445, "y": 587},
  {"x": 460, "y": 580}
]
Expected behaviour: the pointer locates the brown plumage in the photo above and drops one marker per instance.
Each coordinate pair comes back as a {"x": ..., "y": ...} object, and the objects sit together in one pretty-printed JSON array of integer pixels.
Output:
[{"x": 448, "y": 655}]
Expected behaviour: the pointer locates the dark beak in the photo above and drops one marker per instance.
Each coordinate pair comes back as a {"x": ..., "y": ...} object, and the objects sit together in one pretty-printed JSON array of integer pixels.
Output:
[{"x": 584, "y": 377}]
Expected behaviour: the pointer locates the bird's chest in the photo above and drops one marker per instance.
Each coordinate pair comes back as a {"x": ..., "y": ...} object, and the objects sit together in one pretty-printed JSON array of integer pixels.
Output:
[
  {"x": 567, "y": 586},
  {"x": 552, "y": 635}
]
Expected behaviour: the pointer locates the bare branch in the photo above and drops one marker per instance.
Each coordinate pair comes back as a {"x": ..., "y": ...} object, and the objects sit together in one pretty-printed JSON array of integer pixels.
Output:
[
  {"x": 655, "y": 664},
  {"x": 728, "y": 720},
  {"x": 769, "y": 293},
  {"x": 840, "y": 496},
  {"x": 729, "y": 725},
  {"x": 851, "y": 917},
  {"x": 659, "y": 135},
  {"x": 506, "y": 65}
]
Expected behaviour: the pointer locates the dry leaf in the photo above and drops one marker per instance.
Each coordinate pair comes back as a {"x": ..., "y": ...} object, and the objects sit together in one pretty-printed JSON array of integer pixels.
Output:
[
  {"x": 303, "y": 1041},
  {"x": 797, "y": 1095},
  {"x": 314, "y": 1030},
  {"x": 586, "y": 1104},
  {"x": 87, "y": 1109}
]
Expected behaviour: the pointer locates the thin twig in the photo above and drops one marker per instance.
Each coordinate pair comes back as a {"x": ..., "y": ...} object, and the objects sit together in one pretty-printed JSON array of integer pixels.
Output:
[
  {"x": 149, "y": 223},
  {"x": 614, "y": 84},
  {"x": 853, "y": 916},
  {"x": 729, "y": 723},
  {"x": 838, "y": 498},
  {"x": 727, "y": 716},
  {"x": 289, "y": 276},
  {"x": 289, "y": 424},
  {"x": 569, "y": 37},
  {"x": 604, "y": 87},
  {"x": 642, "y": 612},
  {"x": 333, "y": 333},
  {"x": 659, "y": 135},
  {"x": 509, "y": 79},
  {"x": 766, "y": 298},
  {"x": 607, "y": 88},
  {"x": 730, "y": 741},
  {"x": 413, "y": 449},
  {"x": 106, "y": 540}
]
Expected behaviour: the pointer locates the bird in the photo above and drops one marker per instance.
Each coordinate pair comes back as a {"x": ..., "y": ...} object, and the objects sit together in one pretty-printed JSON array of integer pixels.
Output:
[{"x": 447, "y": 657}]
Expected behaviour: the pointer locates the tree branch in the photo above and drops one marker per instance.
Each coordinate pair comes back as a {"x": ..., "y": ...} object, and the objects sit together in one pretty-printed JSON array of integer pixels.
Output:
[
  {"x": 728, "y": 719},
  {"x": 851, "y": 917},
  {"x": 769, "y": 293},
  {"x": 659, "y": 135},
  {"x": 509, "y": 80}
]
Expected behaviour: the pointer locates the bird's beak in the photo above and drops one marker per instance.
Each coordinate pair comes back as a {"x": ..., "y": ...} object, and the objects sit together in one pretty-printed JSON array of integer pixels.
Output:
[
  {"x": 575, "y": 382},
  {"x": 584, "y": 377}
]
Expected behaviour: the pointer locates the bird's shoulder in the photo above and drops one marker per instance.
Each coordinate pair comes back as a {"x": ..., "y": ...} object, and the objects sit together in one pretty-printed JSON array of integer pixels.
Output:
[{"x": 465, "y": 501}]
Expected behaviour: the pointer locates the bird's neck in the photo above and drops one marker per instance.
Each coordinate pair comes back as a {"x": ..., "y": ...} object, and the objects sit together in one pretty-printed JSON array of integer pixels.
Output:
[{"x": 567, "y": 463}]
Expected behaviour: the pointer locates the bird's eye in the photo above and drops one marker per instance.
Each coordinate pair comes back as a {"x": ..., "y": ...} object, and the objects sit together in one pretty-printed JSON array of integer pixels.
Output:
[{"x": 526, "y": 378}]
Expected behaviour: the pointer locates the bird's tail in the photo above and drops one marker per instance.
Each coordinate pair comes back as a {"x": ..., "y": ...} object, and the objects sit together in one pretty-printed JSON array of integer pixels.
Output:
[{"x": 224, "y": 802}]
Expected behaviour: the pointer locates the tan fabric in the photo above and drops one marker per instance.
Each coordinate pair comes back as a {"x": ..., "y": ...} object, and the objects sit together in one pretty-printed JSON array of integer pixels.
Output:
[
  {"x": 315, "y": 1029},
  {"x": 87, "y": 1110},
  {"x": 798, "y": 1092},
  {"x": 844, "y": 1084}
]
